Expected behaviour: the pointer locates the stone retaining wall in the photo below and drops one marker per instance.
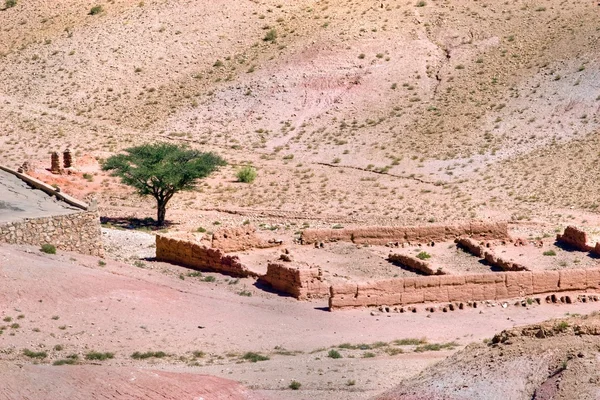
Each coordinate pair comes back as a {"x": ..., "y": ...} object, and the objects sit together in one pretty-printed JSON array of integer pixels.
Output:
[
  {"x": 412, "y": 234},
  {"x": 463, "y": 288},
  {"x": 302, "y": 282},
  {"x": 79, "y": 232},
  {"x": 197, "y": 256}
]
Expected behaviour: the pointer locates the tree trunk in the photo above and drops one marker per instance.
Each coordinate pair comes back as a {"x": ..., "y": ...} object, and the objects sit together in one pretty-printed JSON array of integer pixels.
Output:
[{"x": 162, "y": 211}]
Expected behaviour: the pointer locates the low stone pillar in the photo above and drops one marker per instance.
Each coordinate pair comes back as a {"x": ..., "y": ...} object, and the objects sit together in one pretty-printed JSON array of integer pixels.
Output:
[
  {"x": 67, "y": 159},
  {"x": 54, "y": 163}
]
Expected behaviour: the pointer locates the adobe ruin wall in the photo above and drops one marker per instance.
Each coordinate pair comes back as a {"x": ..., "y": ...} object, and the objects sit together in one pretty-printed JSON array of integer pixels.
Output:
[
  {"x": 474, "y": 248},
  {"x": 460, "y": 288},
  {"x": 411, "y": 234},
  {"x": 198, "y": 256},
  {"x": 302, "y": 282},
  {"x": 78, "y": 232}
]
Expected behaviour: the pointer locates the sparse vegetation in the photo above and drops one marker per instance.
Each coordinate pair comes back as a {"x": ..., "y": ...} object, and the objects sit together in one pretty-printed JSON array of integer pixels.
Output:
[
  {"x": 35, "y": 354},
  {"x": 549, "y": 253},
  {"x": 149, "y": 354},
  {"x": 423, "y": 255},
  {"x": 254, "y": 357},
  {"x": 97, "y": 356}
]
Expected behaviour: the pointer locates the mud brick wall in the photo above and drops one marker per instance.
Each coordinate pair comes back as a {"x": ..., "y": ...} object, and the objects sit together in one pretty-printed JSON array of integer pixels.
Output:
[
  {"x": 197, "y": 256},
  {"x": 473, "y": 247},
  {"x": 238, "y": 239},
  {"x": 416, "y": 264},
  {"x": 575, "y": 238},
  {"x": 412, "y": 234},
  {"x": 302, "y": 282},
  {"x": 78, "y": 232},
  {"x": 451, "y": 288}
]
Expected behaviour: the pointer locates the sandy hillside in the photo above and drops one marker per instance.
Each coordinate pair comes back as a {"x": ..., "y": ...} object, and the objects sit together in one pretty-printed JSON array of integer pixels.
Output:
[{"x": 393, "y": 111}]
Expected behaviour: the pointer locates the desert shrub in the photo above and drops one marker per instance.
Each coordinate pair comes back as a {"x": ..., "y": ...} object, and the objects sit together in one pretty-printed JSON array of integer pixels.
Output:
[
  {"x": 295, "y": 385},
  {"x": 10, "y": 3},
  {"x": 435, "y": 347},
  {"x": 149, "y": 354},
  {"x": 549, "y": 253},
  {"x": 271, "y": 36},
  {"x": 409, "y": 342},
  {"x": 334, "y": 354},
  {"x": 562, "y": 326},
  {"x": 423, "y": 255},
  {"x": 35, "y": 354},
  {"x": 246, "y": 174},
  {"x": 94, "y": 355},
  {"x": 48, "y": 248},
  {"x": 96, "y": 10},
  {"x": 254, "y": 357},
  {"x": 65, "y": 361}
]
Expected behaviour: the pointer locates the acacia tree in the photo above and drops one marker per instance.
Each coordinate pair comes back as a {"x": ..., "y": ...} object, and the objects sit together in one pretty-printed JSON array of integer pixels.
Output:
[{"x": 161, "y": 170}]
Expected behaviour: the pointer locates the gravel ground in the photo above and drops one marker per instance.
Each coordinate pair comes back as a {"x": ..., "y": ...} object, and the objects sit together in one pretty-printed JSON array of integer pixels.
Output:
[{"x": 128, "y": 245}]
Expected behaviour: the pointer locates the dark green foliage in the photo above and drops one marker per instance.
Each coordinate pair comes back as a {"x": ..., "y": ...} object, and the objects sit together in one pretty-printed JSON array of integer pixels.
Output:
[
  {"x": 48, "y": 248},
  {"x": 94, "y": 355},
  {"x": 254, "y": 357},
  {"x": 295, "y": 385},
  {"x": 96, "y": 10},
  {"x": 35, "y": 354},
  {"x": 10, "y": 3},
  {"x": 161, "y": 170},
  {"x": 149, "y": 354},
  {"x": 423, "y": 255},
  {"x": 334, "y": 354}
]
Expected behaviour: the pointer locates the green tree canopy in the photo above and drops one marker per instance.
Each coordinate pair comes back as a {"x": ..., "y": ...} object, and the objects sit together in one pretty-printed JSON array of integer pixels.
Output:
[{"x": 161, "y": 170}]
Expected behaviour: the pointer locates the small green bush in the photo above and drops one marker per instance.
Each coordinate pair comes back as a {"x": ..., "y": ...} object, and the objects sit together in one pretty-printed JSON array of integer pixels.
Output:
[
  {"x": 549, "y": 253},
  {"x": 246, "y": 174},
  {"x": 149, "y": 354},
  {"x": 10, "y": 3},
  {"x": 96, "y": 10},
  {"x": 48, "y": 248},
  {"x": 35, "y": 354},
  {"x": 295, "y": 385},
  {"x": 254, "y": 357},
  {"x": 423, "y": 255},
  {"x": 334, "y": 354},
  {"x": 65, "y": 361},
  {"x": 271, "y": 36},
  {"x": 94, "y": 355}
]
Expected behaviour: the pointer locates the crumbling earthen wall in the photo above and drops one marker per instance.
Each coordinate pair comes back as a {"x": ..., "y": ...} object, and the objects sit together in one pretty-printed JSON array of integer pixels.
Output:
[
  {"x": 412, "y": 234},
  {"x": 239, "y": 239},
  {"x": 473, "y": 247},
  {"x": 575, "y": 238},
  {"x": 461, "y": 288},
  {"x": 300, "y": 281},
  {"x": 416, "y": 264},
  {"x": 79, "y": 232},
  {"x": 197, "y": 256}
]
